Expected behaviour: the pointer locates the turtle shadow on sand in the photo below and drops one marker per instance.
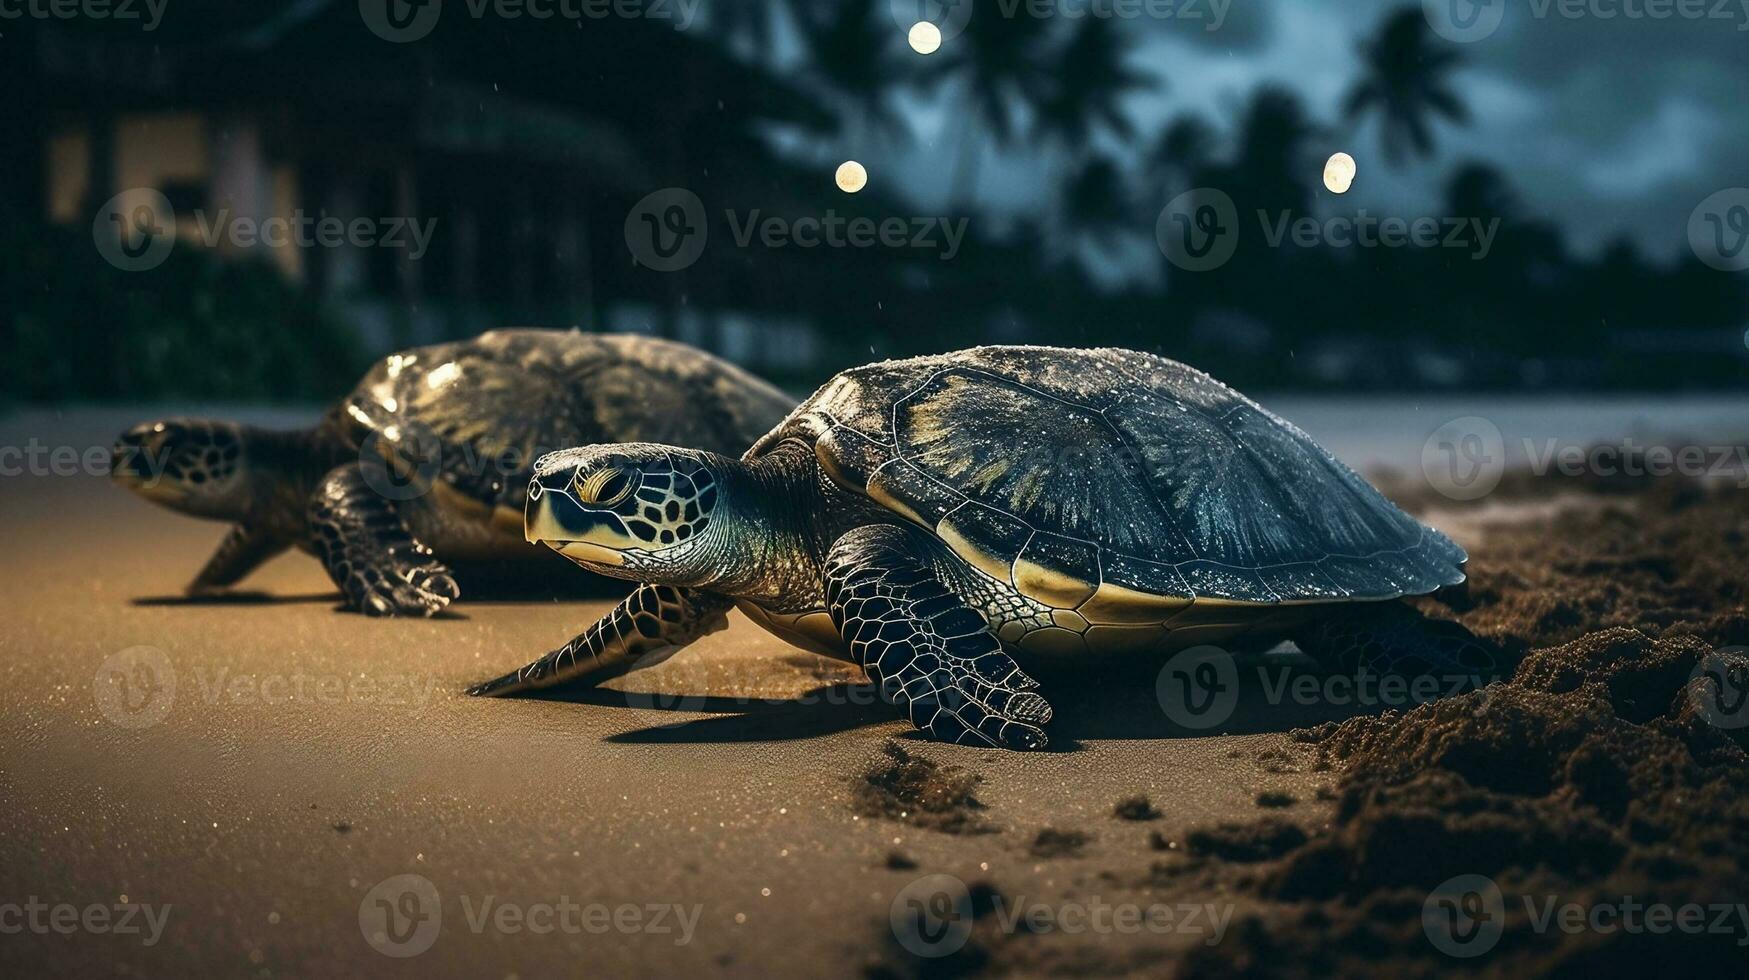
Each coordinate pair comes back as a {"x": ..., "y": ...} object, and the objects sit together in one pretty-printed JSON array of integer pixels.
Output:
[
  {"x": 1275, "y": 692},
  {"x": 825, "y": 710},
  {"x": 480, "y": 583},
  {"x": 1128, "y": 702},
  {"x": 236, "y": 599}
]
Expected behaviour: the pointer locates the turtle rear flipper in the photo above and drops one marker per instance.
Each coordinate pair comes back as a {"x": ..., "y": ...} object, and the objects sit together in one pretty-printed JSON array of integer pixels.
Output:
[{"x": 369, "y": 552}]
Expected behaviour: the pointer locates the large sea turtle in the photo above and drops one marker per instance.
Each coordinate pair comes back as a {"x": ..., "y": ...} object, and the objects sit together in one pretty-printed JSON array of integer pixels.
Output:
[
  {"x": 941, "y": 520},
  {"x": 427, "y": 461}
]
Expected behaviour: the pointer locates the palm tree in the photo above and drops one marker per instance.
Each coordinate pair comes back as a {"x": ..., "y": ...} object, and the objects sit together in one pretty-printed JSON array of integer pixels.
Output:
[
  {"x": 1094, "y": 204},
  {"x": 1004, "y": 67},
  {"x": 748, "y": 24},
  {"x": 854, "y": 49},
  {"x": 1092, "y": 75},
  {"x": 1408, "y": 83},
  {"x": 1270, "y": 170},
  {"x": 1183, "y": 149}
]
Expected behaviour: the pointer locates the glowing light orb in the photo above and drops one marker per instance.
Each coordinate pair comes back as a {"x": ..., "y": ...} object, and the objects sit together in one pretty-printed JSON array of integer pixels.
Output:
[
  {"x": 925, "y": 37},
  {"x": 1339, "y": 173},
  {"x": 851, "y": 177}
]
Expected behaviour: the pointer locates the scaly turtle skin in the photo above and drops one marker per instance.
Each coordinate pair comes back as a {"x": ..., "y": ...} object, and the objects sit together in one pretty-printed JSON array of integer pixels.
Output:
[
  {"x": 937, "y": 520},
  {"x": 427, "y": 462}
]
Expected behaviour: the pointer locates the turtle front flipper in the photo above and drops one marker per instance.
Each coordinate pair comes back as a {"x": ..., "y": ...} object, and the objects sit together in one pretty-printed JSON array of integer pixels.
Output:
[
  {"x": 1395, "y": 638},
  {"x": 929, "y": 652},
  {"x": 244, "y": 550},
  {"x": 647, "y": 627},
  {"x": 369, "y": 552}
]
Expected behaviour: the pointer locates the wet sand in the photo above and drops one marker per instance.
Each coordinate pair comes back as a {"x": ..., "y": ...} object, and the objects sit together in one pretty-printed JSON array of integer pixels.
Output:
[
  {"x": 303, "y": 755},
  {"x": 264, "y": 765}
]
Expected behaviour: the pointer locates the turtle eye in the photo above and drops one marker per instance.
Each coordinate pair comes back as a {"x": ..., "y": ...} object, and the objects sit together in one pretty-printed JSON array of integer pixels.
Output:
[{"x": 603, "y": 487}]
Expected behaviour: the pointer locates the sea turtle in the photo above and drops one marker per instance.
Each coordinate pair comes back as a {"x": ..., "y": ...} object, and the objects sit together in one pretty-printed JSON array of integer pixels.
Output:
[
  {"x": 942, "y": 519},
  {"x": 426, "y": 463}
]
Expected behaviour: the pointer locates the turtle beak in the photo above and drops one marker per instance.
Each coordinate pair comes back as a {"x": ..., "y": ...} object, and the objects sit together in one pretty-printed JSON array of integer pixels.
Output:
[
  {"x": 539, "y": 525},
  {"x": 137, "y": 462},
  {"x": 552, "y": 518}
]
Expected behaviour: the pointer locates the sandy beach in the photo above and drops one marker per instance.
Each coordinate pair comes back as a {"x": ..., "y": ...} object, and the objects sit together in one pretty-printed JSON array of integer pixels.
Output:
[{"x": 253, "y": 776}]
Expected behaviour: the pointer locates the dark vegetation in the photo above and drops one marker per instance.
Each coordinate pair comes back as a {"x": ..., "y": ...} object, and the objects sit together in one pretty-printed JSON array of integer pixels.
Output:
[{"x": 693, "y": 108}]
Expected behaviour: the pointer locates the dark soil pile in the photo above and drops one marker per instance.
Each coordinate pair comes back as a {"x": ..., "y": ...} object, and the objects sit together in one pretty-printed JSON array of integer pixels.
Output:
[
  {"x": 1609, "y": 773},
  {"x": 902, "y": 786}
]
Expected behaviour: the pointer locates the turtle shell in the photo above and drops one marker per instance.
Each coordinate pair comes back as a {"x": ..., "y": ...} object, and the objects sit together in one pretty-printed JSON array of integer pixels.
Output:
[
  {"x": 472, "y": 416},
  {"x": 1110, "y": 480}
]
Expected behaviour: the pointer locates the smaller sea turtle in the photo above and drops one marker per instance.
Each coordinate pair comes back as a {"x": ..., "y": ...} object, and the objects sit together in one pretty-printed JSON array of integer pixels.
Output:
[
  {"x": 942, "y": 520},
  {"x": 427, "y": 461}
]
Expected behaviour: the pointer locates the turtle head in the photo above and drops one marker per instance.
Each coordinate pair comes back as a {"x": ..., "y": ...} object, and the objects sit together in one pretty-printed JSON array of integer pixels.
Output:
[
  {"x": 195, "y": 466},
  {"x": 637, "y": 511}
]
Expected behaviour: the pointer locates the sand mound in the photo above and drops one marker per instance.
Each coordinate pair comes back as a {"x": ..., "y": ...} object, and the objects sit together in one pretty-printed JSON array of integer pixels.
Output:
[{"x": 1608, "y": 773}]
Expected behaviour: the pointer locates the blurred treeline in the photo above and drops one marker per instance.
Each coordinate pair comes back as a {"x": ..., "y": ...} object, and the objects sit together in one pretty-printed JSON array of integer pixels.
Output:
[{"x": 753, "y": 106}]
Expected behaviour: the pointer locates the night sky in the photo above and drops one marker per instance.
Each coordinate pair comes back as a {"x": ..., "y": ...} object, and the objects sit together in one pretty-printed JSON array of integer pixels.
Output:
[{"x": 1607, "y": 126}]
